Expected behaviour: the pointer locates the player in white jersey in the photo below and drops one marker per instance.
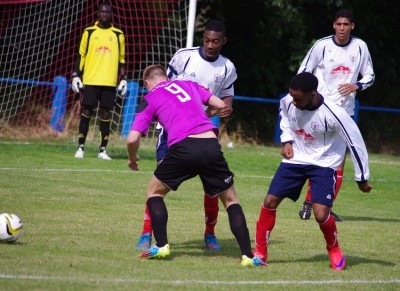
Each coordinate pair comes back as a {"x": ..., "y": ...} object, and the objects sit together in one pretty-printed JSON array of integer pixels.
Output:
[
  {"x": 338, "y": 60},
  {"x": 206, "y": 66},
  {"x": 315, "y": 132}
]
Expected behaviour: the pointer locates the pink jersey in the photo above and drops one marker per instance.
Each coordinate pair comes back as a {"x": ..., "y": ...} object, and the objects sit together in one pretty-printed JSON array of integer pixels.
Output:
[{"x": 178, "y": 107}]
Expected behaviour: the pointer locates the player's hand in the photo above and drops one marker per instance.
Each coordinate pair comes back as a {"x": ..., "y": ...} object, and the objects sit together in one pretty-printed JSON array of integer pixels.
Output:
[
  {"x": 346, "y": 89},
  {"x": 76, "y": 84},
  {"x": 132, "y": 164},
  {"x": 365, "y": 187},
  {"x": 122, "y": 87},
  {"x": 287, "y": 151},
  {"x": 225, "y": 112}
]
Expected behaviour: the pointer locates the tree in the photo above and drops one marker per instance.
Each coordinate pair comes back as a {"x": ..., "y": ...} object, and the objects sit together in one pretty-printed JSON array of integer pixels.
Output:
[{"x": 267, "y": 39}]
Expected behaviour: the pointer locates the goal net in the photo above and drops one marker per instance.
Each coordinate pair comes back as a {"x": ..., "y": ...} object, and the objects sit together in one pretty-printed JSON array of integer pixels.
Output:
[{"x": 39, "y": 41}]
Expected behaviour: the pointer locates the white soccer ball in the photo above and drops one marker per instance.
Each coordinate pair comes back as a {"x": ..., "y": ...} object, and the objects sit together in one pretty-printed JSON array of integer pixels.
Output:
[{"x": 11, "y": 227}]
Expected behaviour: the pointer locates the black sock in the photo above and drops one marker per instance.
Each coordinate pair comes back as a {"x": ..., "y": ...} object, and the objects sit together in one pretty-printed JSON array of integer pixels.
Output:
[
  {"x": 159, "y": 219},
  {"x": 83, "y": 129},
  {"x": 237, "y": 222}
]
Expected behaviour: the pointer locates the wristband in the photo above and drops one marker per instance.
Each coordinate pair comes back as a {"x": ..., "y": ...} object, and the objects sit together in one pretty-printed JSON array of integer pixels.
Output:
[{"x": 289, "y": 141}]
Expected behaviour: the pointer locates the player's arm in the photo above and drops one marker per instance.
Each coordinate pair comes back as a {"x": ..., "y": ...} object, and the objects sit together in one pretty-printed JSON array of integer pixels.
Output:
[
  {"x": 312, "y": 58},
  {"x": 228, "y": 100},
  {"x": 77, "y": 84},
  {"x": 366, "y": 71},
  {"x": 140, "y": 126},
  {"x": 217, "y": 104},
  {"x": 133, "y": 143},
  {"x": 351, "y": 134},
  {"x": 286, "y": 135}
]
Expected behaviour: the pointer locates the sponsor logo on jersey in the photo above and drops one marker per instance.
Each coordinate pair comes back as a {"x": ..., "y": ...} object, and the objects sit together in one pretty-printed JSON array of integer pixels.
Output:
[
  {"x": 103, "y": 49},
  {"x": 341, "y": 72},
  {"x": 302, "y": 135}
]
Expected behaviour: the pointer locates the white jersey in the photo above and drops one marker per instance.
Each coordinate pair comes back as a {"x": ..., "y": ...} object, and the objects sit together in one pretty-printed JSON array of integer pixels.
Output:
[
  {"x": 320, "y": 136},
  {"x": 217, "y": 76},
  {"x": 335, "y": 64}
]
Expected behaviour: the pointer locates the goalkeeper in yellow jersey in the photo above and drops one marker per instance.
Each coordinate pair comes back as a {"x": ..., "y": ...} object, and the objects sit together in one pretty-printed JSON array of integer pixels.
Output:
[{"x": 99, "y": 65}]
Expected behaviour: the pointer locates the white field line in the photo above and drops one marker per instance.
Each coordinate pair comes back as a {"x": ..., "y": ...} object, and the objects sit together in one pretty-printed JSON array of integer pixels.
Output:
[
  {"x": 349, "y": 178},
  {"x": 189, "y": 282}
]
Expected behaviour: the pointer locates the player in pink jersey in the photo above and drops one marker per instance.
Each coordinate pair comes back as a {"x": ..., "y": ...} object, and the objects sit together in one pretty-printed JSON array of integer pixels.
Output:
[
  {"x": 338, "y": 60},
  {"x": 315, "y": 132},
  {"x": 207, "y": 67},
  {"x": 193, "y": 149}
]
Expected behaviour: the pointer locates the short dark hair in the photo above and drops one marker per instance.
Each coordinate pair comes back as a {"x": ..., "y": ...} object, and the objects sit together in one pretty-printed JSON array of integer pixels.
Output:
[
  {"x": 215, "y": 25},
  {"x": 346, "y": 13},
  {"x": 103, "y": 3},
  {"x": 305, "y": 82}
]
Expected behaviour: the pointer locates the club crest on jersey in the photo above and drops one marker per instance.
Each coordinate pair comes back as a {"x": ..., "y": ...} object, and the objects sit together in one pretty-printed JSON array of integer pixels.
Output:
[
  {"x": 314, "y": 126},
  {"x": 218, "y": 79}
]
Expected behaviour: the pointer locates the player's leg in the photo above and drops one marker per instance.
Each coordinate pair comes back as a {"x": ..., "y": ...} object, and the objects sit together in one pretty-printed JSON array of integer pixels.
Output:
[
  {"x": 86, "y": 114},
  {"x": 306, "y": 208},
  {"x": 147, "y": 230},
  {"x": 264, "y": 226},
  {"x": 217, "y": 178},
  {"x": 287, "y": 183},
  {"x": 323, "y": 187},
  {"x": 159, "y": 217},
  {"x": 238, "y": 226},
  {"x": 211, "y": 210},
  {"x": 339, "y": 180},
  {"x": 106, "y": 103},
  {"x": 88, "y": 102},
  {"x": 105, "y": 121}
]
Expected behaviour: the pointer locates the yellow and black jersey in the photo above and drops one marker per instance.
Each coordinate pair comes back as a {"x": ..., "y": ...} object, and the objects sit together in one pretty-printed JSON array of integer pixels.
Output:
[{"x": 101, "y": 53}]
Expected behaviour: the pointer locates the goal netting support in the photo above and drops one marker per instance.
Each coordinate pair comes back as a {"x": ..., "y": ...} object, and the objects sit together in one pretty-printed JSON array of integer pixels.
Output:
[{"x": 39, "y": 41}]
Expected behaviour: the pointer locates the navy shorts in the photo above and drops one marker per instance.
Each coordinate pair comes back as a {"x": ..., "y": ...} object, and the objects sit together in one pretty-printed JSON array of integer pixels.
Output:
[
  {"x": 104, "y": 95},
  {"x": 196, "y": 156},
  {"x": 289, "y": 180},
  {"x": 162, "y": 146}
]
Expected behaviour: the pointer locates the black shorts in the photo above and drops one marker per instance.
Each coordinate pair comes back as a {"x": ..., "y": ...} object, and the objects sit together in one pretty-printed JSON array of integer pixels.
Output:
[
  {"x": 192, "y": 157},
  {"x": 104, "y": 95}
]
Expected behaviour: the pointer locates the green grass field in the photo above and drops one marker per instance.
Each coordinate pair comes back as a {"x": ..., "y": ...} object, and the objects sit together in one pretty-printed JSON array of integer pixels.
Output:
[{"x": 82, "y": 219}]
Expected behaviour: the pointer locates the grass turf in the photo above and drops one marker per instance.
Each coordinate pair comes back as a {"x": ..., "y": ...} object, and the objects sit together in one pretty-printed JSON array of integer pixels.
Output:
[{"x": 82, "y": 219}]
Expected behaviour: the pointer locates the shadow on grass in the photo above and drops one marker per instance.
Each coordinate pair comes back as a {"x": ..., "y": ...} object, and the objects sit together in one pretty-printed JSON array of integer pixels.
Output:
[
  {"x": 365, "y": 218},
  {"x": 350, "y": 260},
  {"x": 230, "y": 248}
]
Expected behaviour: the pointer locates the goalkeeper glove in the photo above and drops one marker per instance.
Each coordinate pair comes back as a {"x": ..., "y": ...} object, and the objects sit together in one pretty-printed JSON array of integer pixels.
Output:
[
  {"x": 122, "y": 87},
  {"x": 76, "y": 83}
]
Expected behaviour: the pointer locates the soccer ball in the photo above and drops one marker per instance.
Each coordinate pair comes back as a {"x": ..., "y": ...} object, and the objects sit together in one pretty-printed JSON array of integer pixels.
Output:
[{"x": 11, "y": 227}]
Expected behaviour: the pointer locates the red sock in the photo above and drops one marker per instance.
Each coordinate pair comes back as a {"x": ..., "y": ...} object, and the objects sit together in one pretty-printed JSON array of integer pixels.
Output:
[
  {"x": 308, "y": 196},
  {"x": 147, "y": 222},
  {"x": 211, "y": 209},
  {"x": 339, "y": 180},
  {"x": 265, "y": 224},
  {"x": 329, "y": 230}
]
